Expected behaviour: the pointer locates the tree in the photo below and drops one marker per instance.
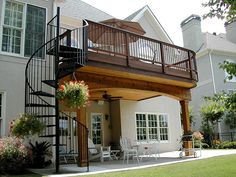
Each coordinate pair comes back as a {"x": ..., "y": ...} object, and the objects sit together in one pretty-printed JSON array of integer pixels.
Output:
[
  {"x": 211, "y": 112},
  {"x": 230, "y": 68},
  {"x": 222, "y": 9}
]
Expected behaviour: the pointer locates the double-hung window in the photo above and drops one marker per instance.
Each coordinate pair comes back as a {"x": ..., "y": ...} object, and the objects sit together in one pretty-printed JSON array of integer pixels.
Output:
[
  {"x": 151, "y": 126},
  {"x": 23, "y": 29},
  {"x": 96, "y": 124}
]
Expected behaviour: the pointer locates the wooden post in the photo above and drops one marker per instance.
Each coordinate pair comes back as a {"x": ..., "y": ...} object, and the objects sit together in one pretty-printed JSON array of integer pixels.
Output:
[
  {"x": 82, "y": 138},
  {"x": 186, "y": 123}
]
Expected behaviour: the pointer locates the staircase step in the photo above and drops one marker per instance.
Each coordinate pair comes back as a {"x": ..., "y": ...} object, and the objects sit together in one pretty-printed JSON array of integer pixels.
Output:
[
  {"x": 51, "y": 83},
  {"x": 66, "y": 52},
  {"x": 51, "y": 125},
  {"x": 49, "y": 136},
  {"x": 42, "y": 93},
  {"x": 43, "y": 116},
  {"x": 39, "y": 105}
]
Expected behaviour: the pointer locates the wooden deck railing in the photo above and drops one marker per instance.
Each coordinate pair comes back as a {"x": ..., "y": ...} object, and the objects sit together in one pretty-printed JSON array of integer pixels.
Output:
[{"x": 141, "y": 52}]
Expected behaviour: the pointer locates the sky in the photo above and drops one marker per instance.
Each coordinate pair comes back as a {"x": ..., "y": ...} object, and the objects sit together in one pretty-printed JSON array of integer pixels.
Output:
[{"x": 170, "y": 13}]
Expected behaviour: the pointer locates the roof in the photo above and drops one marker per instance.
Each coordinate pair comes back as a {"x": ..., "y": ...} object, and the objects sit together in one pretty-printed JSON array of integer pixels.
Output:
[
  {"x": 157, "y": 25},
  {"x": 82, "y": 10},
  {"x": 217, "y": 42},
  {"x": 130, "y": 17}
]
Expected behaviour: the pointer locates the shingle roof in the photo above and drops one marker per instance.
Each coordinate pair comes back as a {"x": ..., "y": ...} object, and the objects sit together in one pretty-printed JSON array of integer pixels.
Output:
[
  {"x": 217, "y": 42},
  {"x": 82, "y": 10}
]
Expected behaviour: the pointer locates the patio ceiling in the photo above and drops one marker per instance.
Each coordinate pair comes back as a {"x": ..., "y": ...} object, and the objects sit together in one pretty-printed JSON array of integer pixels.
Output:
[{"x": 125, "y": 94}]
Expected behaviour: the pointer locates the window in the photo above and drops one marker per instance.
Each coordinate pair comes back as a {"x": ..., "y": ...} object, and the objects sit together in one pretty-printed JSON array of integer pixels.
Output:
[
  {"x": 152, "y": 127},
  {"x": 96, "y": 124},
  {"x": 14, "y": 28}
]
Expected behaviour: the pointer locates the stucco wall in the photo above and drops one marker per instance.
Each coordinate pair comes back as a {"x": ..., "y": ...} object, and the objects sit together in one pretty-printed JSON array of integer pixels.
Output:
[
  {"x": 155, "y": 105},
  {"x": 12, "y": 74}
]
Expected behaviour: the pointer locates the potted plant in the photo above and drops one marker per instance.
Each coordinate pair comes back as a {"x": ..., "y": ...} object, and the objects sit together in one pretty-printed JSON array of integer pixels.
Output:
[
  {"x": 39, "y": 153},
  {"x": 73, "y": 94},
  {"x": 26, "y": 125}
]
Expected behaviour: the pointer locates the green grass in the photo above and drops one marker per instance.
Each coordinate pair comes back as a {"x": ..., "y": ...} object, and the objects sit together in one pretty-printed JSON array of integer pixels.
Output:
[
  {"x": 26, "y": 174},
  {"x": 213, "y": 167}
]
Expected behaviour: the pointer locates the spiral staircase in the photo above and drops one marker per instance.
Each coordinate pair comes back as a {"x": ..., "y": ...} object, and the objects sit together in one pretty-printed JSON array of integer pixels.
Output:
[{"x": 65, "y": 50}]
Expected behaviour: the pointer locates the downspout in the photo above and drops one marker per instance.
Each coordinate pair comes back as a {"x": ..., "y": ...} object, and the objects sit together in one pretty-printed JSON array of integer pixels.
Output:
[{"x": 214, "y": 86}]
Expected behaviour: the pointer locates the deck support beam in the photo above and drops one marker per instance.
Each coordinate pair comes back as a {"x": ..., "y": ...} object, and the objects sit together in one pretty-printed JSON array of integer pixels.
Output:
[
  {"x": 186, "y": 123},
  {"x": 82, "y": 143}
]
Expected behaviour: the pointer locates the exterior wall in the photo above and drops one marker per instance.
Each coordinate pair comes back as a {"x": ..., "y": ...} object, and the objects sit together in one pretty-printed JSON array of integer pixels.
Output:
[
  {"x": 205, "y": 84},
  {"x": 104, "y": 109},
  {"x": 12, "y": 78},
  {"x": 154, "y": 105}
]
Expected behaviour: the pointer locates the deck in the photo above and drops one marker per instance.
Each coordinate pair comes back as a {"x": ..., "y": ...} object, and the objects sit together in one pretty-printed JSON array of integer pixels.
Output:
[{"x": 120, "y": 50}]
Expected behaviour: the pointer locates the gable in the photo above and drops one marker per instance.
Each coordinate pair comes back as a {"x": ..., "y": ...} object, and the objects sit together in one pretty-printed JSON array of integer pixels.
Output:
[{"x": 150, "y": 24}]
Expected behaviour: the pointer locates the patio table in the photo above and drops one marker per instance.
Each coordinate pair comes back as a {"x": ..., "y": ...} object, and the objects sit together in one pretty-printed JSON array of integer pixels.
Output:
[{"x": 114, "y": 154}]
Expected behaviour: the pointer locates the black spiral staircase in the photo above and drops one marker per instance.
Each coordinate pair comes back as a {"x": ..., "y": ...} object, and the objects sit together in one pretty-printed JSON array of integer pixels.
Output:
[{"x": 64, "y": 51}]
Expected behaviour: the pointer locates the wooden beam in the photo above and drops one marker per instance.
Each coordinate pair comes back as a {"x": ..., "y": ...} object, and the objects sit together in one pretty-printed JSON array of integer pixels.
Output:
[
  {"x": 186, "y": 125},
  {"x": 82, "y": 139},
  {"x": 96, "y": 81}
]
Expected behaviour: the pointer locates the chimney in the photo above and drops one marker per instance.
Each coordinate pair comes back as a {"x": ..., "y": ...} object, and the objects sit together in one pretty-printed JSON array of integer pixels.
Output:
[
  {"x": 230, "y": 28},
  {"x": 192, "y": 32}
]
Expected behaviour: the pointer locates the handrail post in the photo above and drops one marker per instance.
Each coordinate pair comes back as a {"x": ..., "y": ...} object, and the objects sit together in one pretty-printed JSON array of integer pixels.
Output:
[
  {"x": 127, "y": 48},
  {"x": 190, "y": 66},
  {"x": 162, "y": 58}
]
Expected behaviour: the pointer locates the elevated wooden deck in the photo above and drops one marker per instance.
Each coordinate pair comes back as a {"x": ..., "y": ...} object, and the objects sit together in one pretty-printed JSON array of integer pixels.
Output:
[{"x": 125, "y": 54}]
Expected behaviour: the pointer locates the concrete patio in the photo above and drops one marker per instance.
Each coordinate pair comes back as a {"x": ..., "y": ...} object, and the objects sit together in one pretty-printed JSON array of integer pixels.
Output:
[{"x": 118, "y": 165}]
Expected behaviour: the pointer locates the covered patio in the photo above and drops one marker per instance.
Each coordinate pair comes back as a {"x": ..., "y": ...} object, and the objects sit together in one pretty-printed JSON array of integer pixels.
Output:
[{"x": 118, "y": 165}]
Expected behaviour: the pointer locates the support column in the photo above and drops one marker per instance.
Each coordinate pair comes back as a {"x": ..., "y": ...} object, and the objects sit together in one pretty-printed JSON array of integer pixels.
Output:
[
  {"x": 186, "y": 124},
  {"x": 82, "y": 138}
]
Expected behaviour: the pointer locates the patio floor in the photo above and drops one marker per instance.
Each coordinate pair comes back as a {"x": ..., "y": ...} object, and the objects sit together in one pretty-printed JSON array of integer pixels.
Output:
[{"x": 118, "y": 165}]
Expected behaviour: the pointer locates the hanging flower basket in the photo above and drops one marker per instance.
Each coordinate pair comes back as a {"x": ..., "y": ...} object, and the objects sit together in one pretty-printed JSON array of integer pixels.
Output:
[{"x": 74, "y": 94}]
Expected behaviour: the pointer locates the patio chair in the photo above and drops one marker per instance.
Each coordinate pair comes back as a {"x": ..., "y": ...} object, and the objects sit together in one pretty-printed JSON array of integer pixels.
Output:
[
  {"x": 98, "y": 153},
  {"x": 128, "y": 150},
  {"x": 66, "y": 157}
]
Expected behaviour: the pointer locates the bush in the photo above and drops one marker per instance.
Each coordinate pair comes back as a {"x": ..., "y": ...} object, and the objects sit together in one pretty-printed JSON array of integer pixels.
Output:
[
  {"x": 228, "y": 145},
  {"x": 13, "y": 155}
]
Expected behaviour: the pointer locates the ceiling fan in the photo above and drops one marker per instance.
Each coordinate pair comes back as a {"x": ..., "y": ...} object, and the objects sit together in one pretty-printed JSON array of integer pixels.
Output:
[{"x": 108, "y": 97}]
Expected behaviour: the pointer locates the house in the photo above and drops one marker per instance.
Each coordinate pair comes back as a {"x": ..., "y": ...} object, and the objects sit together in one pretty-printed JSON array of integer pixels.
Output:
[
  {"x": 138, "y": 84},
  {"x": 211, "y": 50}
]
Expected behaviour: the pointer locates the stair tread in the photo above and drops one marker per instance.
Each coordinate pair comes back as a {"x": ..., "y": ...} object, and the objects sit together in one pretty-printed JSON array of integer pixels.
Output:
[
  {"x": 47, "y": 135},
  {"x": 67, "y": 52},
  {"x": 38, "y": 105},
  {"x": 51, "y": 83},
  {"x": 42, "y": 93},
  {"x": 42, "y": 116}
]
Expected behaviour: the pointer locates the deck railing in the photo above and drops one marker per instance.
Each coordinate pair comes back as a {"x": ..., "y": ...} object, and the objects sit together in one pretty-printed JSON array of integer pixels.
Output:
[{"x": 141, "y": 52}]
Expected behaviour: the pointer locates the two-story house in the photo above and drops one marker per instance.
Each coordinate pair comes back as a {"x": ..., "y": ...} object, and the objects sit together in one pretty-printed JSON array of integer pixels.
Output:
[
  {"x": 211, "y": 50},
  {"x": 138, "y": 83}
]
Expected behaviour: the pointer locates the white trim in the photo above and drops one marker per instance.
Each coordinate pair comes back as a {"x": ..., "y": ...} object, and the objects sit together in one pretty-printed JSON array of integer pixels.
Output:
[{"x": 212, "y": 73}]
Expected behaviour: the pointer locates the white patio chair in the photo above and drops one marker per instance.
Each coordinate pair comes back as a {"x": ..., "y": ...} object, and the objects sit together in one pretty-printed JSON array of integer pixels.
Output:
[
  {"x": 94, "y": 153},
  {"x": 128, "y": 150},
  {"x": 66, "y": 157}
]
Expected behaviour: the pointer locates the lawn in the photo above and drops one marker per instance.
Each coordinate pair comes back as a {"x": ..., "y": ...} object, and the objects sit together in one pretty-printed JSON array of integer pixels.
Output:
[
  {"x": 213, "y": 167},
  {"x": 223, "y": 166}
]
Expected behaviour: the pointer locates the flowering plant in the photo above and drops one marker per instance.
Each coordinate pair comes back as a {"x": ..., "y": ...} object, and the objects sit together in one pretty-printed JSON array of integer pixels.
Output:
[
  {"x": 26, "y": 125},
  {"x": 74, "y": 94},
  {"x": 13, "y": 154}
]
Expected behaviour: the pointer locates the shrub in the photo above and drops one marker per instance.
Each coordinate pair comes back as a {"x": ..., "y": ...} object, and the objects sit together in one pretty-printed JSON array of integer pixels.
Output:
[
  {"x": 13, "y": 155},
  {"x": 228, "y": 145},
  {"x": 39, "y": 153}
]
